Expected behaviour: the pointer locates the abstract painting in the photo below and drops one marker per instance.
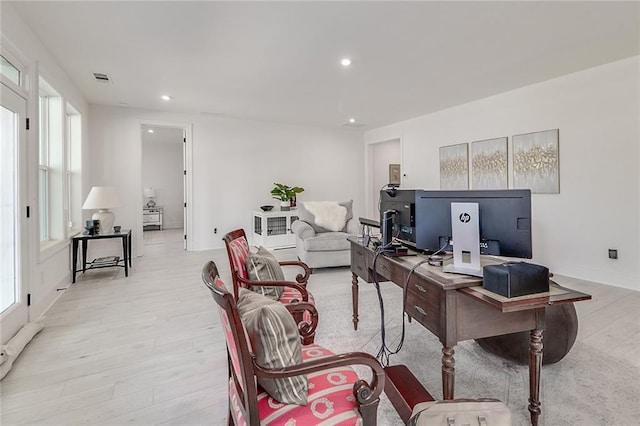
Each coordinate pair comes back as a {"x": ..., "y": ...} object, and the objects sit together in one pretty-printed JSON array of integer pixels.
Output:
[
  {"x": 536, "y": 162},
  {"x": 489, "y": 164},
  {"x": 454, "y": 166}
]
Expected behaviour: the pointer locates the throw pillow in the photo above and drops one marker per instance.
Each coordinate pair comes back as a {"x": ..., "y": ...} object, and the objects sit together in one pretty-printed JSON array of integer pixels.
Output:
[
  {"x": 263, "y": 266},
  {"x": 276, "y": 342},
  {"x": 305, "y": 215}
]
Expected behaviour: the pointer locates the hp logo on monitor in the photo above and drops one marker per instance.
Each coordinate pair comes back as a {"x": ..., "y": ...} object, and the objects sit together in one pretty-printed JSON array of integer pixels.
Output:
[{"x": 464, "y": 217}]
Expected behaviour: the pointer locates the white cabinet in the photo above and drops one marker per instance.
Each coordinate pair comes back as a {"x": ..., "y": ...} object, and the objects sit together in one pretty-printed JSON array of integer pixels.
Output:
[
  {"x": 151, "y": 216},
  {"x": 273, "y": 229}
]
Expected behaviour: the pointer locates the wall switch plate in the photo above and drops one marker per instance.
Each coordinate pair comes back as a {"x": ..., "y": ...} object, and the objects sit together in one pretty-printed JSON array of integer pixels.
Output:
[{"x": 613, "y": 254}]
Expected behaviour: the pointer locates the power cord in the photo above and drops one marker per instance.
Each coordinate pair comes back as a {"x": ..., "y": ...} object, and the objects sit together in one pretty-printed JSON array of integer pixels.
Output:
[
  {"x": 384, "y": 353},
  {"x": 436, "y": 260}
]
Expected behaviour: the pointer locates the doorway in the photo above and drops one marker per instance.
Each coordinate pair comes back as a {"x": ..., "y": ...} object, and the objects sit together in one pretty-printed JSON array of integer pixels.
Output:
[
  {"x": 163, "y": 184},
  {"x": 380, "y": 155}
]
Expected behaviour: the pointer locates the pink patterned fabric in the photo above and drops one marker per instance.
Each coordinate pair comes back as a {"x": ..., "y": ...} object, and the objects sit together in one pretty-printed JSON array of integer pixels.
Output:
[
  {"x": 228, "y": 335},
  {"x": 234, "y": 405},
  {"x": 331, "y": 398},
  {"x": 239, "y": 252}
]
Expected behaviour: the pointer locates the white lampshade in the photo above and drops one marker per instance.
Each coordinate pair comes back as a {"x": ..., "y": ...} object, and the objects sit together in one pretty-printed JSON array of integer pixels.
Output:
[
  {"x": 149, "y": 192},
  {"x": 102, "y": 198}
]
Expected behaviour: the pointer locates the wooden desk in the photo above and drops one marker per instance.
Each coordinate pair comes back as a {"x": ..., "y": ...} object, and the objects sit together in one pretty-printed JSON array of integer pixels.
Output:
[
  {"x": 456, "y": 308},
  {"x": 125, "y": 262}
]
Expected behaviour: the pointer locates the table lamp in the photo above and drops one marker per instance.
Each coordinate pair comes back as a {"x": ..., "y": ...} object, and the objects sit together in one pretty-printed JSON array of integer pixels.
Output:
[
  {"x": 150, "y": 193},
  {"x": 102, "y": 198}
]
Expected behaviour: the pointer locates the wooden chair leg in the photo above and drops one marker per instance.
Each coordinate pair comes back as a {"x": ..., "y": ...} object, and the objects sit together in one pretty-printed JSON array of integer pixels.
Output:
[{"x": 369, "y": 413}]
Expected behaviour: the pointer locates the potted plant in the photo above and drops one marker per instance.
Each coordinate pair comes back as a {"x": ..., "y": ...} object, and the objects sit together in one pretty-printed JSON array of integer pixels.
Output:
[{"x": 286, "y": 194}]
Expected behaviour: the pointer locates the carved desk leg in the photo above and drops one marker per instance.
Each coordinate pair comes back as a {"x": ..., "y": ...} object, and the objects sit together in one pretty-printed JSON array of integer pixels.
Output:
[
  {"x": 354, "y": 298},
  {"x": 535, "y": 364},
  {"x": 448, "y": 372}
]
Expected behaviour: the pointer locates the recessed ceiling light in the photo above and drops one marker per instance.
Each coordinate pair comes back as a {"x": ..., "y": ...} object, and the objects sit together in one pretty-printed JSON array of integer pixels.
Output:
[
  {"x": 166, "y": 97},
  {"x": 345, "y": 62},
  {"x": 150, "y": 130},
  {"x": 352, "y": 120}
]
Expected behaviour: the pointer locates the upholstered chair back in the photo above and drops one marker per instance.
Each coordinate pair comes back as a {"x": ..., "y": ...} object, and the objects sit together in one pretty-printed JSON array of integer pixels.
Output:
[
  {"x": 238, "y": 251},
  {"x": 238, "y": 346}
]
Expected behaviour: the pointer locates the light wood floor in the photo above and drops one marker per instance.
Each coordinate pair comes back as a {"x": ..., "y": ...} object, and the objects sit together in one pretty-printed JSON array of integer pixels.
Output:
[{"x": 147, "y": 349}]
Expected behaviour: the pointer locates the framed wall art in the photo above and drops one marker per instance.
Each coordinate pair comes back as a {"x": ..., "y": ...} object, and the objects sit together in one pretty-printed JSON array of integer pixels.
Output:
[
  {"x": 536, "y": 162},
  {"x": 454, "y": 166},
  {"x": 489, "y": 164},
  {"x": 394, "y": 174}
]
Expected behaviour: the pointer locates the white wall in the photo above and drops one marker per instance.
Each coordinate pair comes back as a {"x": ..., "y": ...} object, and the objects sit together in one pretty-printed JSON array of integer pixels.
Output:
[
  {"x": 162, "y": 169},
  {"x": 235, "y": 164},
  {"x": 597, "y": 112},
  {"x": 47, "y": 271}
]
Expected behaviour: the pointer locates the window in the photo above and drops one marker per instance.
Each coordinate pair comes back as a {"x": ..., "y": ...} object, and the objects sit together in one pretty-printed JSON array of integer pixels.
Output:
[
  {"x": 10, "y": 71},
  {"x": 73, "y": 168},
  {"x": 59, "y": 166},
  {"x": 43, "y": 167}
]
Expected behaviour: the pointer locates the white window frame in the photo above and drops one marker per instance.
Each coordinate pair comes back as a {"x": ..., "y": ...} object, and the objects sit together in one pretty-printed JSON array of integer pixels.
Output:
[
  {"x": 9, "y": 51},
  {"x": 43, "y": 168},
  {"x": 51, "y": 160},
  {"x": 73, "y": 170}
]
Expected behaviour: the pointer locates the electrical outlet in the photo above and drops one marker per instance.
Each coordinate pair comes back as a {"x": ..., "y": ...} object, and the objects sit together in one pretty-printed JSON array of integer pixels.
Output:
[
  {"x": 613, "y": 254},
  {"x": 215, "y": 230}
]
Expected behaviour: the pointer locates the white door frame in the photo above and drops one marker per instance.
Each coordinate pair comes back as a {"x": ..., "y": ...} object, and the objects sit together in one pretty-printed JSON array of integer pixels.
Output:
[
  {"x": 371, "y": 193},
  {"x": 17, "y": 315},
  {"x": 188, "y": 182}
]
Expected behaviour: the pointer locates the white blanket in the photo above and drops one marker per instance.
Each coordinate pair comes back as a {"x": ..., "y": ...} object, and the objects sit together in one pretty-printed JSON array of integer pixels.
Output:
[{"x": 328, "y": 214}]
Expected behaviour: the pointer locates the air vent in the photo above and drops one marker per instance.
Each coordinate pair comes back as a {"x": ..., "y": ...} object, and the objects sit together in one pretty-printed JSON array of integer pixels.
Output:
[
  {"x": 103, "y": 78},
  {"x": 354, "y": 125}
]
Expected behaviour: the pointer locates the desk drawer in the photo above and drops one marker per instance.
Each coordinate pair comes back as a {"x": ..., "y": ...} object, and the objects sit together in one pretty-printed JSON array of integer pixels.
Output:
[
  {"x": 423, "y": 311},
  {"x": 387, "y": 270},
  {"x": 428, "y": 292},
  {"x": 359, "y": 262},
  {"x": 151, "y": 218}
]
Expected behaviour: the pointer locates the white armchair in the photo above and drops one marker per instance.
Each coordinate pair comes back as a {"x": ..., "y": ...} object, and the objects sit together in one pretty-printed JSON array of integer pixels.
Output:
[{"x": 321, "y": 233}]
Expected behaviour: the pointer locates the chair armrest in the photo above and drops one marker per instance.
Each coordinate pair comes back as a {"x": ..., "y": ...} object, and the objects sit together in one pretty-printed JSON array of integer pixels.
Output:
[
  {"x": 300, "y": 287},
  {"x": 302, "y": 279},
  {"x": 404, "y": 390},
  {"x": 302, "y": 229},
  {"x": 307, "y": 330},
  {"x": 364, "y": 392}
]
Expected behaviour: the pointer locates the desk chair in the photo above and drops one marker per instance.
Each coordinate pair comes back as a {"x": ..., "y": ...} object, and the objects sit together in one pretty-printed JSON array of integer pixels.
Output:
[{"x": 336, "y": 394}]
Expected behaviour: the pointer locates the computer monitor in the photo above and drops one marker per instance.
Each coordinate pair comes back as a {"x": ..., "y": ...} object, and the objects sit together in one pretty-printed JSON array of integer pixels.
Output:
[
  {"x": 402, "y": 202},
  {"x": 504, "y": 220}
]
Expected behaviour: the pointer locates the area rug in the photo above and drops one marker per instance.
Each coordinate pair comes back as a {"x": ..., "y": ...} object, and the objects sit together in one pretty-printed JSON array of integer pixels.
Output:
[{"x": 587, "y": 387}]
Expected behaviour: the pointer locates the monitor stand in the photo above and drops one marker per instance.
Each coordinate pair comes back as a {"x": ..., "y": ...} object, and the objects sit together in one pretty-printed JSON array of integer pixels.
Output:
[{"x": 465, "y": 231}]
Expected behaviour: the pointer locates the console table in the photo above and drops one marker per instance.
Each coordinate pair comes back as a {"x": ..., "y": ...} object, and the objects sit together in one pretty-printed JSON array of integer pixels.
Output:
[
  {"x": 114, "y": 261},
  {"x": 152, "y": 216},
  {"x": 456, "y": 308}
]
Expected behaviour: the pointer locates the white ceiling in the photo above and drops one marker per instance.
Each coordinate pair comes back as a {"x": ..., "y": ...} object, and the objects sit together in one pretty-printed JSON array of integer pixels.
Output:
[{"x": 279, "y": 61}]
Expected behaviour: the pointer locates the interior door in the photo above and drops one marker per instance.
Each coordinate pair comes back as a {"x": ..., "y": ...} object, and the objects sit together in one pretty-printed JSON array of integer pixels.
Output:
[
  {"x": 13, "y": 236},
  {"x": 184, "y": 186}
]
